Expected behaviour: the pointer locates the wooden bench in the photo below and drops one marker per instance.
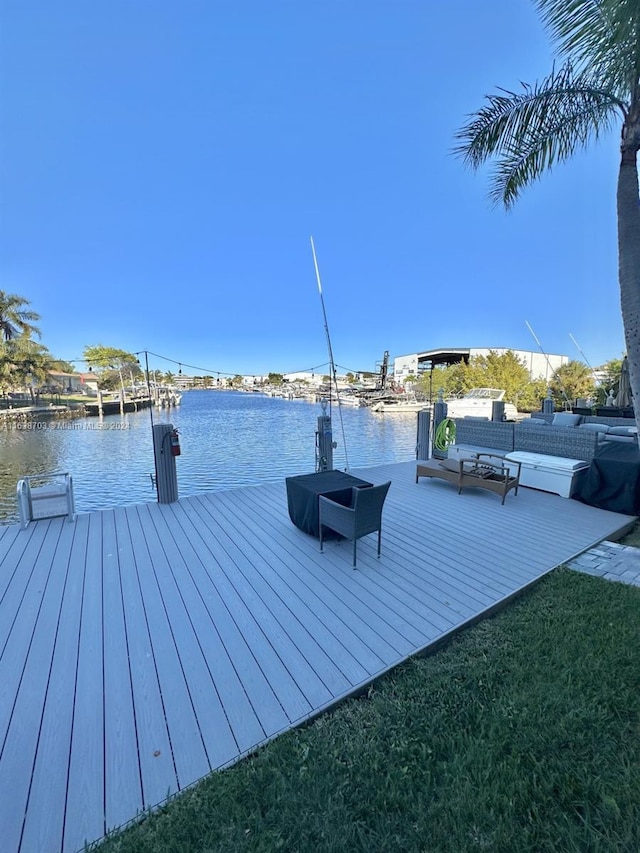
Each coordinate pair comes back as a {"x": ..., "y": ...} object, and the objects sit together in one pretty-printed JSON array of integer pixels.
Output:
[{"x": 483, "y": 471}]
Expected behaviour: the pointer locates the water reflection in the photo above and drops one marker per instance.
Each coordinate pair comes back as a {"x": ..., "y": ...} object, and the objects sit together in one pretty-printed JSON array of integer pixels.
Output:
[{"x": 228, "y": 439}]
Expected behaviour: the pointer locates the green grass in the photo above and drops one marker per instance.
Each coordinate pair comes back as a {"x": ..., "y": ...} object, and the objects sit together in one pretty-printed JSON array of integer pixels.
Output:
[
  {"x": 632, "y": 537},
  {"x": 522, "y": 734},
  {"x": 46, "y": 399}
]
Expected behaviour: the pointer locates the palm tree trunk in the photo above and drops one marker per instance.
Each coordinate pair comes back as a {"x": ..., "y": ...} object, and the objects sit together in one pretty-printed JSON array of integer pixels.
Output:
[{"x": 628, "y": 206}]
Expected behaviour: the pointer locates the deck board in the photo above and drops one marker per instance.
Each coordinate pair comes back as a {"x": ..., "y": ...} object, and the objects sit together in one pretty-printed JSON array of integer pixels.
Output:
[
  {"x": 123, "y": 783},
  {"x": 261, "y": 695},
  {"x": 10, "y": 535},
  {"x": 388, "y": 638},
  {"x": 339, "y": 590},
  {"x": 84, "y": 808},
  {"x": 236, "y": 724},
  {"x": 273, "y": 619},
  {"x": 250, "y": 616},
  {"x": 372, "y": 589},
  {"x": 157, "y": 768},
  {"x": 142, "y": 647},
  {"x": 43, "y": 600},
  {"x": 168, "y": 628},
  {"x": 51, "y": 765}
]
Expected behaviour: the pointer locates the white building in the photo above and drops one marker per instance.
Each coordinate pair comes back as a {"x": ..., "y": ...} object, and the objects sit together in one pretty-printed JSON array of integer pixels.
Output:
[
  {"x": 306, "y": 376},
  {"x": 540, "y": 366}
]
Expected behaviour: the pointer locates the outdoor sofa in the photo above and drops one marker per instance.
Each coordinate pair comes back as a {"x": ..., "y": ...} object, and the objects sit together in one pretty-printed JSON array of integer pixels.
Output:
[{"x": 554, "y": 451}]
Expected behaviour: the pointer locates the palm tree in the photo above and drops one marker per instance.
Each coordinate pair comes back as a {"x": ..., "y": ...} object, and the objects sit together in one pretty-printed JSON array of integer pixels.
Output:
[
  {"x": 597, "y": 88},
  {"x": 31, "y": 364},
  {"x": 15, "y": 319}
]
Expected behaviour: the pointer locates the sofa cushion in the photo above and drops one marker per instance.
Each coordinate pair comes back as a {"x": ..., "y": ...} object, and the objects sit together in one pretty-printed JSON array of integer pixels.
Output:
[
  {"x": 623, "y": 430},
  {"x": 594, "y": 427},
  {"x": 566, "y": 419},
  {"x": 534, "y": 422}
]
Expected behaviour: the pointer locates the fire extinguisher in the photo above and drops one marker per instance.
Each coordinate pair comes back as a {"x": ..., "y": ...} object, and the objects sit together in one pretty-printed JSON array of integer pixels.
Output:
[{"x": 174, "y": 442}]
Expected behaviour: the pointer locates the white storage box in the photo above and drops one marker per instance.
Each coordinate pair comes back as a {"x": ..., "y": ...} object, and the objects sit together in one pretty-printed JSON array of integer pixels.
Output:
[{"x": 549, "y": 473}]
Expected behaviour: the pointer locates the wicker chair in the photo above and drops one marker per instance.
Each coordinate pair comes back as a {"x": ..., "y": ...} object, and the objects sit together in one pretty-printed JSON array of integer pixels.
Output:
[{"x": 362, "y": 517}]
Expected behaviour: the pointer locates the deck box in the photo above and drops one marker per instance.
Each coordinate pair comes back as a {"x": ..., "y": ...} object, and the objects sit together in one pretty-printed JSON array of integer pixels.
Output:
[{"x": 556, "y": 474}]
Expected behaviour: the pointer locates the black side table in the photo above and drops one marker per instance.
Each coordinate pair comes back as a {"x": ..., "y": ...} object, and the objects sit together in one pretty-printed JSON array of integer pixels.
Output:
[{"x": 303, "y": 493}]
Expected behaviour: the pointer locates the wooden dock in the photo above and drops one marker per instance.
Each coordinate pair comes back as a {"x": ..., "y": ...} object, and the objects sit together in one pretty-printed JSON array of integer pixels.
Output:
[
  {"x": 143, "y": 647},
  {"x": 117, "y": 407}
]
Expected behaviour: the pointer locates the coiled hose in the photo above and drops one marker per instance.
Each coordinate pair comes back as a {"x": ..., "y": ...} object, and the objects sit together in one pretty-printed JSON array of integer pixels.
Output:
[{"x": 445, "y": 434}]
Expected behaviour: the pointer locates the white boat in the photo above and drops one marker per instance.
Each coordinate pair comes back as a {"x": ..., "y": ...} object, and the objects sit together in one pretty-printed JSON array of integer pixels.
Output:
[
  {"x": 400, "y": 403},
  {"x": 346, "y": 398},
  {"x": 478, "y": 403}
]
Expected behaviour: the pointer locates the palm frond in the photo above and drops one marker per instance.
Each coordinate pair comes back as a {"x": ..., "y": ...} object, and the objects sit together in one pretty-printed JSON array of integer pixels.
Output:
[
  {"x": 528, "y": 132},
  {"x": 14, "y": 317},
  {"x": 600, "y": 35}
]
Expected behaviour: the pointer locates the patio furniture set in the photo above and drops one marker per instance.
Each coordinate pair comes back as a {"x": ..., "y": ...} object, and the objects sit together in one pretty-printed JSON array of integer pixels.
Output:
[
  {"x": 332, "y": 504},
  {"x": 556, "y": 452},
  {"x": 552, "y": 453}
]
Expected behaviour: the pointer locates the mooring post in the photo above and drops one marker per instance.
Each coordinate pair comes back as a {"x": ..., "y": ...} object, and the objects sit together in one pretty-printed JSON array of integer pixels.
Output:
[
  {"x": 166, "y": 474},
  {"x": 424, "y": 430},
  {"x": 324, "y": 444}
]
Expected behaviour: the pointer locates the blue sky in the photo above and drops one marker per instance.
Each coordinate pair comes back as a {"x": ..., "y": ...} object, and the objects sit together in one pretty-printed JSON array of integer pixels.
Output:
[{"x": 163, "y": 165}]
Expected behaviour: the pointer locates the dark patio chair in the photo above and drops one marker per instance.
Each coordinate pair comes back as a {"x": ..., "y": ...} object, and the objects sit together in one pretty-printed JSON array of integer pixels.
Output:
[{"x": 362, "y": 517}]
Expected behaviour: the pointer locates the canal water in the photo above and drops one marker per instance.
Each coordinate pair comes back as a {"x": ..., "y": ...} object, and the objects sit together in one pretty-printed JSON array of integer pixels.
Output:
[{"x": 227, "y": 438}]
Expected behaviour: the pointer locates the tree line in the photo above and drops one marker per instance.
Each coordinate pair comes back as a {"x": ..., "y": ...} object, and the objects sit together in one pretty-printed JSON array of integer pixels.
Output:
[
  {"x": 572, "y": 381},
  {"x": 27, "y": 364}
]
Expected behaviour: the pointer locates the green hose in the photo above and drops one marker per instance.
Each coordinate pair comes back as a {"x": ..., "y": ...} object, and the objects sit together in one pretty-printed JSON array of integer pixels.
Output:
[{"x": 445, "y": 434}]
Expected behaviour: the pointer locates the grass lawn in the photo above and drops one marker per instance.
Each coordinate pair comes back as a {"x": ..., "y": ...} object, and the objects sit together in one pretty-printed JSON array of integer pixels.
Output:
[
  {"x": 632, "y": 537},
  {"x": 522, "y": 734}
]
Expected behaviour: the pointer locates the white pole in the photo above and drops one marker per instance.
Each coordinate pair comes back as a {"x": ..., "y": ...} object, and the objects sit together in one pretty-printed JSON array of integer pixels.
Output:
[
  {"x": 331, "y": 361},
  {"x": 564, "y": 393}
]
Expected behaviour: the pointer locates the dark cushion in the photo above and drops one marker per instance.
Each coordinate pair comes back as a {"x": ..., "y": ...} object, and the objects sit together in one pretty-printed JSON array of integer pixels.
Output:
[
  {"x": 450, "y": 465},
  {"x": 469, "y": 466}
]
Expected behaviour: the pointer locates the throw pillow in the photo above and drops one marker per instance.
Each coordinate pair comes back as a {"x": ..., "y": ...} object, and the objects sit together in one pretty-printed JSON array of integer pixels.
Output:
[{"x": 565, "y": 419}]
